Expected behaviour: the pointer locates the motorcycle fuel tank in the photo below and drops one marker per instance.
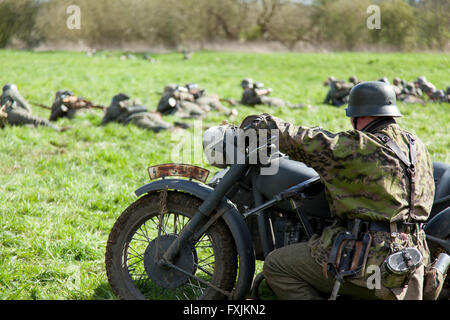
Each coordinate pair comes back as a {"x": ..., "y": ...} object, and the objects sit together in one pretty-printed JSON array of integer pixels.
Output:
[{"x": 289, "y": 174}]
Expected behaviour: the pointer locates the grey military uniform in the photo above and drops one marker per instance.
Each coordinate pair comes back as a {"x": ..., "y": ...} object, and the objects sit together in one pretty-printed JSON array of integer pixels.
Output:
[
  {"x": 251, "y": 98},
  {"x": 123, "y": 110},
  {"x": 410, "y": 94},
  {"x": 440, "y": 96},
  {"x": 338, "y": 93},
  {"x": 18, "y": 110},
  {"x": 180, "y": 104}
]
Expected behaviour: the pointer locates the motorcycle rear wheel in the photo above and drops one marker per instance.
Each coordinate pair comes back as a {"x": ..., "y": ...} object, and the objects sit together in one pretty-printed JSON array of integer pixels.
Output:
[{"x": 131, "y": 262}]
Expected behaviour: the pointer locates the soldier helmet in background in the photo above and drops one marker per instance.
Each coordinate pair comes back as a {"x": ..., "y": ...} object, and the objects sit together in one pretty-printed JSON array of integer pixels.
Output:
[
  {"x": 181, "y": 89},
  {"x": 396, "y": 81},
  {"x": 7, "y": 87},
  {"x": 329, "y": 80},
  {"x": 410, "y": 86},
  {"x": 439, "y": 94},
  {"x": 120, "y": 97},
  {"x": 372, "y": 98},
  {"x": 353, "y": 79},
  {"x": 384, "y": 79},
  {"x": 63, "y": 93},
  {"x": 421, "y": 79},
  {"x": 191, "y": 86},
  {"x": 247, "y": 83},
  {"x": 170, "y": 88}
]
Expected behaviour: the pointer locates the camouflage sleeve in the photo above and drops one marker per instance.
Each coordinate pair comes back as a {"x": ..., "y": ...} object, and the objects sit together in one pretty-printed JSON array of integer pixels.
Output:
[{"x": 317, "y": 148}]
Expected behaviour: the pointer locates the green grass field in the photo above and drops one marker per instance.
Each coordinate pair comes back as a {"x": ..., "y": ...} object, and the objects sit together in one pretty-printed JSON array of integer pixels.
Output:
[{"x": 60, "y": 193}]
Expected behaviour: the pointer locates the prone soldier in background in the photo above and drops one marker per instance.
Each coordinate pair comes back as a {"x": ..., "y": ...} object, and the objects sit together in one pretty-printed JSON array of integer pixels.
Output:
[
  {"x": 66, "y": 105},
  {"x": 124, "y": 110},
  {"x": 398, "y": 87},
  {"x": 425, "y": 86},
  {"x": 210, "y": 102},
  {"x": 430, "y": 90},
  {"x": 178, "y": 101},
  {"x": 411, "y": 94},
  {"x": 442, "y": 96},
  {"x": 339, "y": 91},
  {"x": 257, "y": 94},
  {"x": 19, "y": 111}
]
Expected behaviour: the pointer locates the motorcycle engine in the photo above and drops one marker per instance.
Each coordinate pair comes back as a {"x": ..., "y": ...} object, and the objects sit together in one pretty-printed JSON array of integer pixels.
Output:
[{"x": 286, "y": 231}]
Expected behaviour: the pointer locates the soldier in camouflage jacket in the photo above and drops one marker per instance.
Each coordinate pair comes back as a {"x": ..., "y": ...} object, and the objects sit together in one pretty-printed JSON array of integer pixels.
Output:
[{"x": 363, "y": 179}]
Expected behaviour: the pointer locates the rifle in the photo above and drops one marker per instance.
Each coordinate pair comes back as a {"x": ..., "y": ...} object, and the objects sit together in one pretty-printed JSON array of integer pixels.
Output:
[
  {"x": 263, "y": 91},
  {"x": 73, "y": 102},
  {"x": 41, "y": 105},
  {"x": 80, "y": 103}
]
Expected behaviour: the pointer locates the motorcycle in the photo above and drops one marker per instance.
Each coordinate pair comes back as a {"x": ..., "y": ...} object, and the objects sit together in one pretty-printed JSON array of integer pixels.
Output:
[{"x": 186, "y": 239}]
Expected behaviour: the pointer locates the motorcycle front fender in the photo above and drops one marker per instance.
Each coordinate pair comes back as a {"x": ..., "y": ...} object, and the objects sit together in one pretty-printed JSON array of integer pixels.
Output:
[{"x": 233, "y": 220}]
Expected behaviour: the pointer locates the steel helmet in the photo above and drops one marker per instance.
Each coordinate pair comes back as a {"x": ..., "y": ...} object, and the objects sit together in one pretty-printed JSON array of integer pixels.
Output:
[
  {"x": 191, "y": 86},
  {"x": 63, "y": 93},
  {"x": 372, "y": 98},
  {"x": 170, "y": 88},
  {"x": 247, "y": 83},
  {"x": 421, "y": 79},
  {"x": 120, "y": 97}
]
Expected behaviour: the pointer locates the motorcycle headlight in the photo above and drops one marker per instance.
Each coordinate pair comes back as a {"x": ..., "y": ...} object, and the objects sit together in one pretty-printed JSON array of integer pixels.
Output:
[{"x": 215, "y": 141}]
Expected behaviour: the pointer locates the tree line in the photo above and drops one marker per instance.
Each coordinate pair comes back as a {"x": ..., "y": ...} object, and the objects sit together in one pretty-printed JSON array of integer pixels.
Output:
[{"x": 331, "y": 24}]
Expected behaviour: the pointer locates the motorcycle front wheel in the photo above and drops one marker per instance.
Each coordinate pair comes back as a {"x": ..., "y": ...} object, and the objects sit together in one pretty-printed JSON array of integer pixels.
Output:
[{"x": 205, "y": 269}]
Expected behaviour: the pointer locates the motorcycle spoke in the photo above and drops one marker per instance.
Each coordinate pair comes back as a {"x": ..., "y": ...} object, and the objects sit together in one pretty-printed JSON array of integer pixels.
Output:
[{"x": 165, "y": 224}]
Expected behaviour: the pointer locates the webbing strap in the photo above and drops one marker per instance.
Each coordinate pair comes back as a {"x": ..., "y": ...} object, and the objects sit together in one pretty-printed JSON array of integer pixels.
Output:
[{"x": 409, "y": 163}]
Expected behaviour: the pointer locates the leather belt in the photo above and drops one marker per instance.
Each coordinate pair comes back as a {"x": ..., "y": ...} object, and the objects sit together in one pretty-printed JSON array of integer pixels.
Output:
[{"x": 403, "y": 227}]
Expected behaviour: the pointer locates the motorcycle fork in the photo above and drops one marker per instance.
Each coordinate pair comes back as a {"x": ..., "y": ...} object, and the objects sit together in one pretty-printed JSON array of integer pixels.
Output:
[
  {"x": 203, "y": 212},
  {"x": 264, "y": 225}
]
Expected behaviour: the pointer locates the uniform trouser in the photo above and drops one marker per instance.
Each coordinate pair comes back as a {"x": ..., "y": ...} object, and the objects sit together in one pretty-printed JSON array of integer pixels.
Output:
[
  {"x": 293, "y": 274},
  {"x": 273, "y": 102},
  {"x": 150, "y": 123},
  {"x": 189, "y": 110},
  {"x": 212, "y": 103},
  {"x": 21, "y": 117}
]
